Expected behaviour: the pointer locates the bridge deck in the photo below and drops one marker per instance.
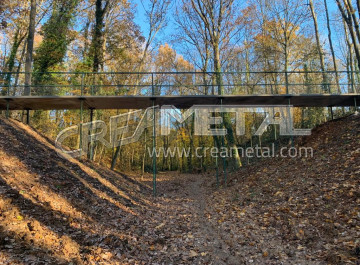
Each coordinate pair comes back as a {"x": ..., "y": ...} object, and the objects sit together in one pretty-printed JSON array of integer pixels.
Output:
[{"x": 141, "y": 102}]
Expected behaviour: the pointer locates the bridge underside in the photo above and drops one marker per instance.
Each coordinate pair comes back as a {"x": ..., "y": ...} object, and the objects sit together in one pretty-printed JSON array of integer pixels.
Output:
[{"x": 183, "y": 102}]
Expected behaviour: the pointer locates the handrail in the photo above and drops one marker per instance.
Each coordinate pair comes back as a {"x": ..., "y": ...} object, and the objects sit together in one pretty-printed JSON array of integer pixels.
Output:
[
  {"x": 180, "y": 83},
  {"x": 188, "y": 72}
]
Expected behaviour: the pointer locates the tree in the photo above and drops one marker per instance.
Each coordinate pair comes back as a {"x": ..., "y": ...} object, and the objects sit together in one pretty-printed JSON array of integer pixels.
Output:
[
  {"x": 349, "y": 59},
  {"x": 348, "y": 13},
  {"x": 97, "y": 50},
  {"x": 10, "y": 64},
  {"x": 332, "y": 46},
  {"x": 30, "y": 48},
  {"x": 156, "y": 18},
  {"x": 318, "y": 45},
  {"x": 222, "y": 25},
  {"x": 56, "y": 38},
  {"x": 287, "y": 15},
  {"x": 192, "y": 33}
]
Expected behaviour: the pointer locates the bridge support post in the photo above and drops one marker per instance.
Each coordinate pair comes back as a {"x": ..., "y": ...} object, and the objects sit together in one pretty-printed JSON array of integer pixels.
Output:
[
  {"x": 81, "y": 123},
  {"x": 223, "y": 145},
  {"x": 287, "y": 82},
  {"x": 292, "y": 136},
  {"x": 154, "y": 134},
  {"x": 7, "y": 109},
  {"x": 27, "y": 116},
  {"x": 91, "y": 114},
  {"x": 332, "y": 113},
  {"x": 91, "y": 155},
  {"x": 217, "y": 172},
  {"x": 356, "y": 108}
]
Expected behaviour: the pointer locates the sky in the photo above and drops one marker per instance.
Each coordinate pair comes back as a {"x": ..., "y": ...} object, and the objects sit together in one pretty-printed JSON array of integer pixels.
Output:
[
  {"x": 165, "y": 35},
  {"x": 139, "y": 16},
  {"x": 140, "y": 20}
]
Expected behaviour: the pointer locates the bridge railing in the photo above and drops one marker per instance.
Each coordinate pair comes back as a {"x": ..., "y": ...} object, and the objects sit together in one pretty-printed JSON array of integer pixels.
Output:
[{"x": 179, "y": 83}]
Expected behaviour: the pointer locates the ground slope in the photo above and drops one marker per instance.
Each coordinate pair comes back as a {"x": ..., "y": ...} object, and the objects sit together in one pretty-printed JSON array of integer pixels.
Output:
[
  {"x": 57, "y": 211},
  {"x": 304, "y": 210},
  {"x": 276, "y": 211}
]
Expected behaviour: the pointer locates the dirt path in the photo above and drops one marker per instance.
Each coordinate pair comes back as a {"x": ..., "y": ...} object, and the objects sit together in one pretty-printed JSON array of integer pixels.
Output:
[
  {"x": 185, "y": 216},
  {"x": 217, "y": 248}
]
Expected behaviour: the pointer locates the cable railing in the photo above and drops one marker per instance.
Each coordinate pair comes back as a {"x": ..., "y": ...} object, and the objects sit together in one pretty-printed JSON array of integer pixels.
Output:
[{"x": 179, "y": 83}]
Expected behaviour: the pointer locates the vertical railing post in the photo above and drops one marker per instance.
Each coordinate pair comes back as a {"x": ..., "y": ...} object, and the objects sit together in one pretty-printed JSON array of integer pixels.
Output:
[
  {"x": 287, "y": 82},
  {"x": 82, "y": 84},
  {"x": 152, "y": 85},
  {"x": 154, "y": 134},
  {"x": 9, "y": 85},
  {"x": 30, "y": 85},
  {"x": 28, "y": 111},
  {"x": 352, "y": 81}
]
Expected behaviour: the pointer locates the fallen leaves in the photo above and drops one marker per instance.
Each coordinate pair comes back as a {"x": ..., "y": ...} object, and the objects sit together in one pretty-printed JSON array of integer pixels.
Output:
[
  {"x": 192, "y": 254},
  {"x": 307, "y": 210},
  {"x": 290, "y": 211}
]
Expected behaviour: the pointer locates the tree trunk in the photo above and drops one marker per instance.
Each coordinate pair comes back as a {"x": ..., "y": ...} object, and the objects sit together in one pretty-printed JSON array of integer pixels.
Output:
[
  {"x": 349, "y": 22},
  {"x": 30, "y": 48},
  {"x": 321, "y": 56},
  {"x": 18, "y": 70},
  {"x": 97, "y": 48},
  {"x": 98, "y": 35},
  {"x": 86, "y": 36},
  {"x": 332, "y": 47},
  {"x": 155, "y": 26},
  {"x": 144, "y": 155},
  {"x": 10, "y": 64},
  {"x": 286, "y": 68},
  {"x": 350, "y": 59},
  {"x": 352, "y": 13},
  {"x": 227, "y": 120}
]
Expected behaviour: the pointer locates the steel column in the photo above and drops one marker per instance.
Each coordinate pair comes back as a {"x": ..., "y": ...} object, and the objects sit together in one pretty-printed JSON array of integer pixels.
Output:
[
  {"x": 91, "y": 155},
  {"x": 223, "y": 144},
  {"x": 291, "y": 121},
  {"x": 27, "y": 117},
  {"x": 217, "y": 172},
  {"x": 81, "y": 123},
  {"x": 154, "y": 135},
  {"x": 7, "y": 108},
  {"x": 81, "y": 113}
]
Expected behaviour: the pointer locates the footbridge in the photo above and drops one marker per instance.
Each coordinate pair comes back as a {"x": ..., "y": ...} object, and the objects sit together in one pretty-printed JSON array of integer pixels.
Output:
[
  {"x": 79, "y": 90},
  {"x": 119, "y": 90}
]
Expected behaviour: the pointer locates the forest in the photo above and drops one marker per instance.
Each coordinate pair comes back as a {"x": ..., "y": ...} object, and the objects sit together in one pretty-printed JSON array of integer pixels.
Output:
[
  {"x": 130, "y": 171},
  {"x": 184, "y": 47}
]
